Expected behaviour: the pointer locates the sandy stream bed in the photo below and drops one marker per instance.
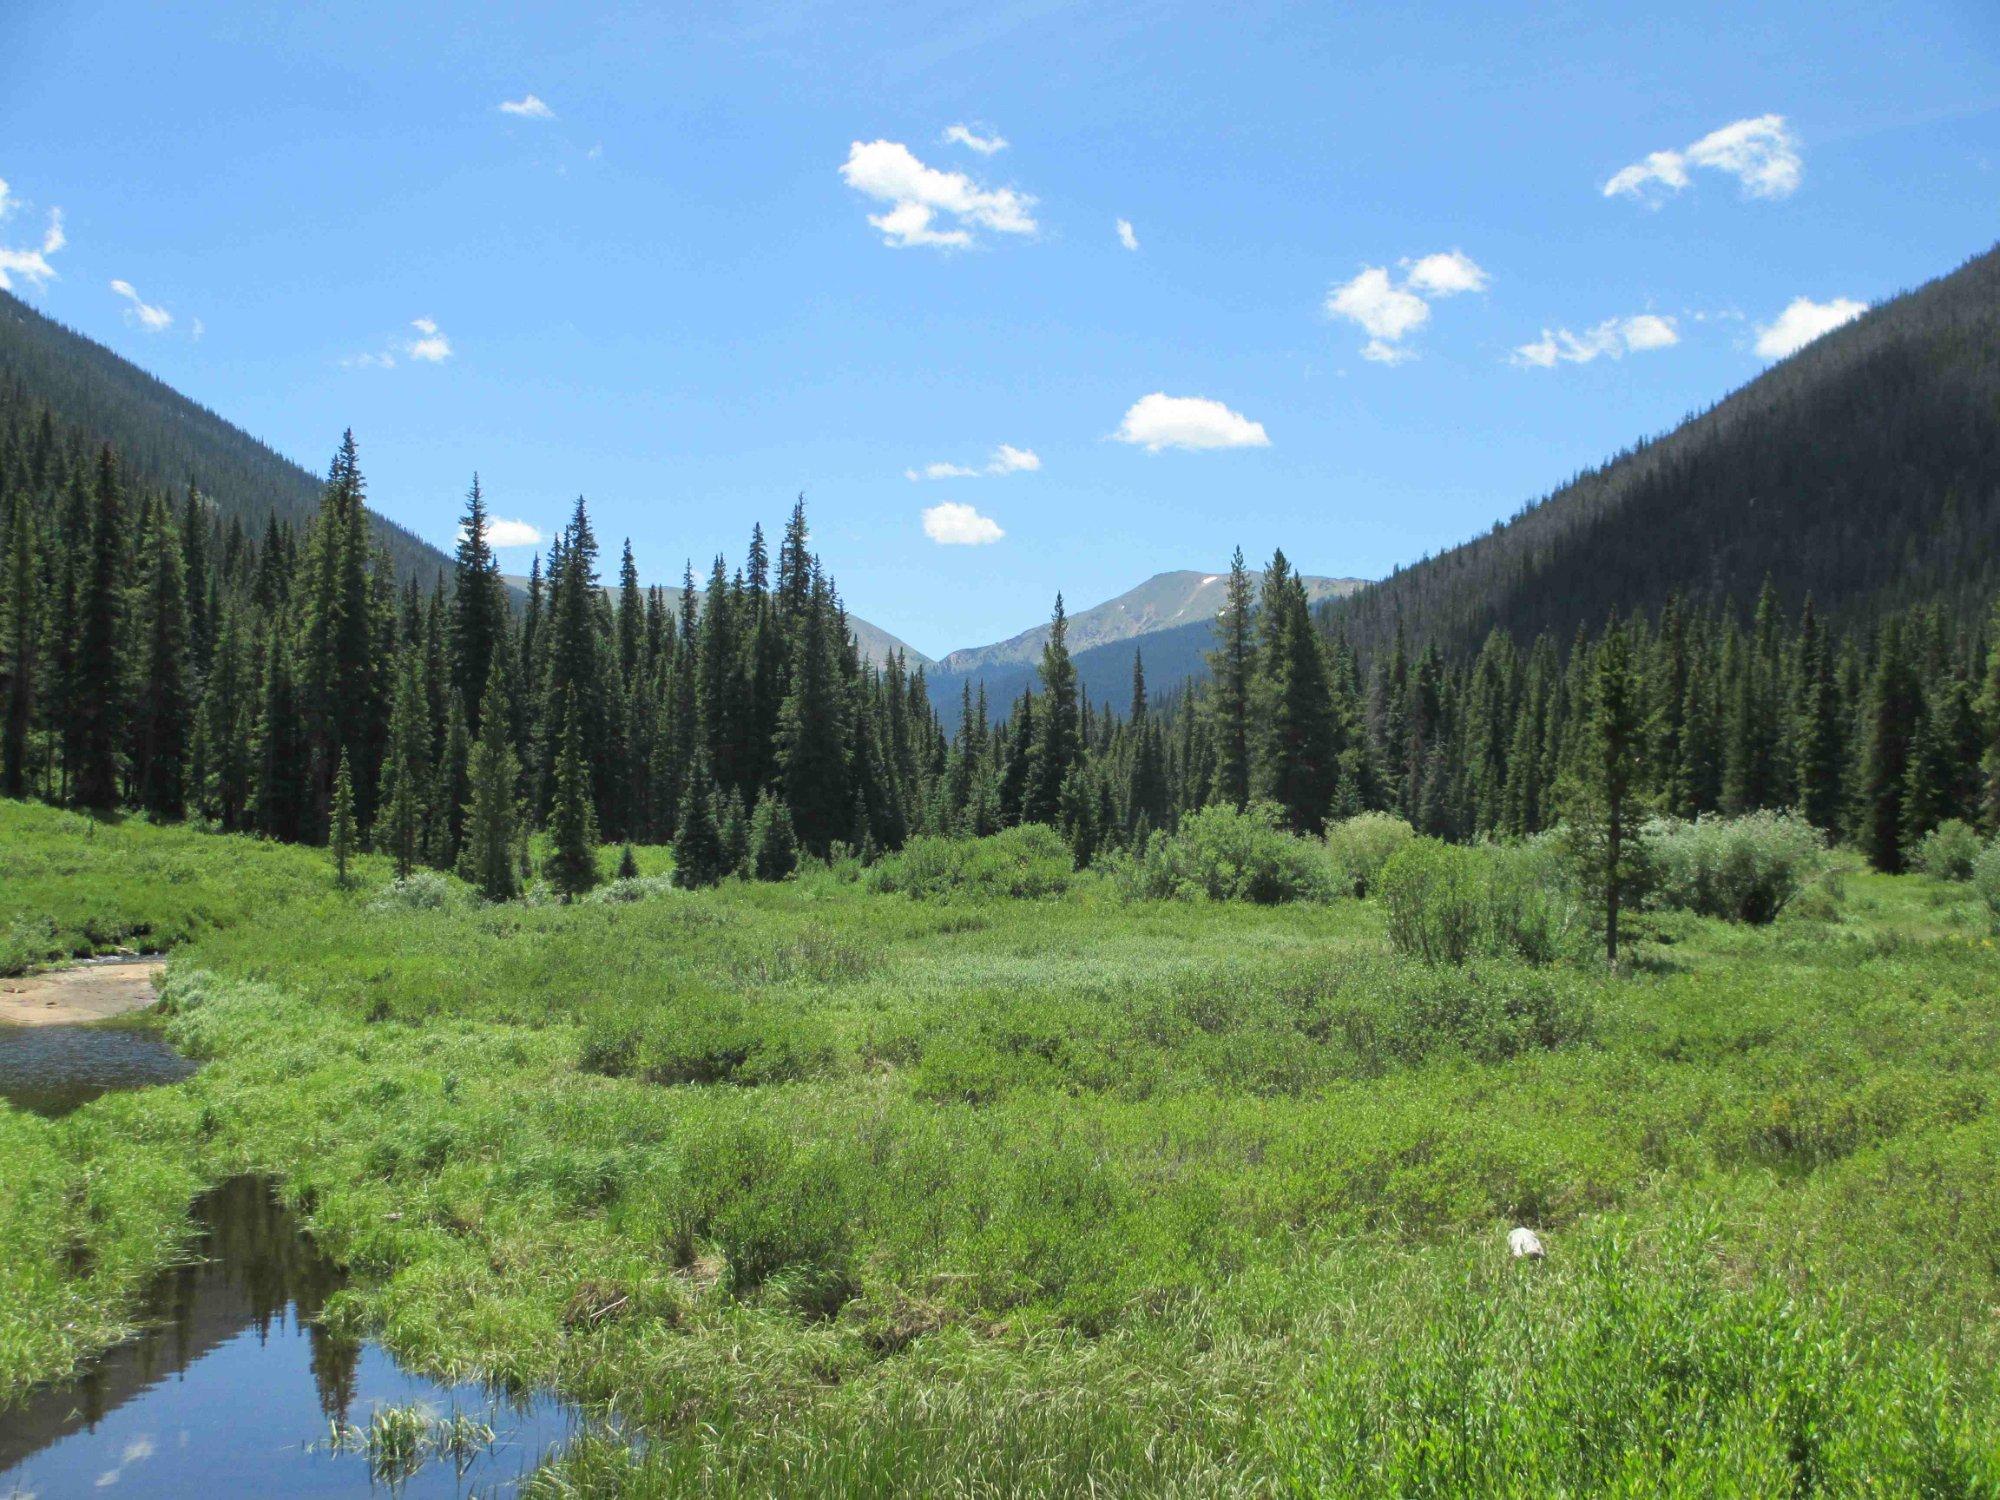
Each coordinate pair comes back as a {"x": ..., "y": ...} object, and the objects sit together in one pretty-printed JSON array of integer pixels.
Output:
[{"x": 89, "y": 992}]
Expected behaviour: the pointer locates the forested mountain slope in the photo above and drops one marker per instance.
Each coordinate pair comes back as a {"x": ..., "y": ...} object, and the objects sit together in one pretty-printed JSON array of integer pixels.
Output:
[
  {"x": 1864, "y": 471},
  {"x": 165, "y": 441}
]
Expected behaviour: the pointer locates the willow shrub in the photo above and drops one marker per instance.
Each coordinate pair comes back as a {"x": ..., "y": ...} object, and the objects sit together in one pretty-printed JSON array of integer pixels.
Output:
[
  {"x": 1949, "y": 851},
  {"x": 1745, "y": 869},
  {"x": 1359, "y": 846},
  {"x": 1221, "y": 854},
  {"x": 1448, "y": 903},
  {"x": 1026, "y": 863}
]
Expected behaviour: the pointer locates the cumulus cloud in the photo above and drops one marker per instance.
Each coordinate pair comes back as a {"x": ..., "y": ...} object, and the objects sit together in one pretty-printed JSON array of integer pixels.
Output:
[
  {"x": 1125, "y": 235},
  {"x": 527, "y": 107},
  {"x": 953, "y": 524},
  {"x": 985, "y": 145},
  {"x": 1613, "y": 339},
  {"x": 1802, "y": 321},
  {"x": 504, "y": 533},
  {"x": 431, "y": 346},
  {"x": 1005, "y": 459},
  {"x": 149, "y": 317},
  {"x": 917, "y": 195},
  {"x": 1761, "y": 153},
  {"x": 1446, "y": 274},
  {"x": 1194, "y": 423},
  {"x": 1388, "y": 311},
  {"x": 30, "y": 264}
]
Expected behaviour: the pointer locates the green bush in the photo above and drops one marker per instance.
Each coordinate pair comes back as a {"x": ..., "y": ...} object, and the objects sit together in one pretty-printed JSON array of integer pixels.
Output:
[
  {"x": 1226, "y": 855},
  {"x": 1949, "y": 850},
  {"x": 1026, "y": 863},
  {"x": 627, "y": 889},
  {"x": 1359, "y": 846},
  {"x": 1986, "y": 878},
  {"x": 1743, "y": 869},
  {"x": 1447, "y": 903},
  {"x": 1433, "y": 894},
  {"x": 426, "y": 890},
  {"x": 704, "y": 1039}
]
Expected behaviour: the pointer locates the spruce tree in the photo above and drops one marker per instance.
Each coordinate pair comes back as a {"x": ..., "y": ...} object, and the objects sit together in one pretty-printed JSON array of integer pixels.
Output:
[
  {"x": 571, "y": 866},
  {"x": 1057, "y": 745},
  {"x": 407, "y": 781},
  {"x": 343, "y": 837},
  {"x": 96, "y": 690},
  {"x": 20, "y": 639},
  {"x": 1889, "y": 718},
  {"x": 698, "y": 855},
  {"x": 1605, "y": 813},
  {"x": 774, "y": 848},
  {"x": 1232, "y": 664},
  {"x": 160, "y": 697},
  {"x": 489, "y": 817}
]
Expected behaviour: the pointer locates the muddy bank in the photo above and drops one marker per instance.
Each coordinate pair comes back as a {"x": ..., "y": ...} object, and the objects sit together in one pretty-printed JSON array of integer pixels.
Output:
[{"x": 88, "y": 992}]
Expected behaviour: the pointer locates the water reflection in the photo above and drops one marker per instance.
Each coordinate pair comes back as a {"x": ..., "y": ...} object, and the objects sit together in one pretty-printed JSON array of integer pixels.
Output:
[
  {"x": 234, "y": 1386},
  {"x": 50, "y": 1070}
]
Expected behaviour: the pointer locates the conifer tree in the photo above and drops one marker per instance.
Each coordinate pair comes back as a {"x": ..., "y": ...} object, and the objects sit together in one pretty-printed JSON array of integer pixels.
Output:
[
  {"x": 698, "y": 854},
  {"x": 96, "y": 690},
  {"x": 571, "y": 866},
  {"x": 489, "y": 818},
  {"x": 160, "y": 697},
  {"x": 774, "y": 848},
  {"x": 1888, "y": 723},
  {"x": 20, "y": 639},
  {"x": 407, "y": 779},
  {"x": 1605, "y": 807},
  {"x": 342, "y": 835},
  {"x": 1233, "y": 664},
  {"x": 1056, "y": 744}
]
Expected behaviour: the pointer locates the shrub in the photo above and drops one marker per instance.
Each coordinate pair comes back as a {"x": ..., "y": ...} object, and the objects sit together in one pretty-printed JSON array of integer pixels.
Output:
[
  {"x": 1432, "y": 893},
  {"x": 1445, "y": 903},
  {"x": 1359, "y": 846},
  {"x": 703, "y": 1040},
  {"x": 1986, "y": 878},
  {"x": 426, "y": 890},
  {"x": 1949, "y": 850},
  {"x": 1743, "y": 869},
  {"x": 28, "y": 941},
  {"x": 627, "y": 889},
  {"x": 1026, "y": 863},
  {"x": 1226, "y": 855}
]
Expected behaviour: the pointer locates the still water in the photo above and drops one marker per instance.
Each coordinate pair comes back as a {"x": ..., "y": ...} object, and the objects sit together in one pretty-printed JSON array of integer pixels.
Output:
[
  {"x": 53, "y": 1069},
  {"x": 235, "y": 1389}
]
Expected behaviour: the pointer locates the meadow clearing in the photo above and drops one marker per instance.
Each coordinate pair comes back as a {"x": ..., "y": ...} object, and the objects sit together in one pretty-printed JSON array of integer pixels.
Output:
[{"x": 822, "y": 1188}]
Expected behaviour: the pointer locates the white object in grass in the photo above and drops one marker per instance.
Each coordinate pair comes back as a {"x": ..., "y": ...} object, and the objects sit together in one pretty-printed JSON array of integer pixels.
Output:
[{"x": 1525, "y": 1244}]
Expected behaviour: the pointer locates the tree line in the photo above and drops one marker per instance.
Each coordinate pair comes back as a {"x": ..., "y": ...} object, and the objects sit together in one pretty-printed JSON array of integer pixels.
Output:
[{"x": 156, "y": 656}]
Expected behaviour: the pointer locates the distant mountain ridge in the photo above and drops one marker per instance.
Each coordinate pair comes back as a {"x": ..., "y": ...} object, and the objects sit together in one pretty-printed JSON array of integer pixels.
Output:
[
  {"x": 1166, "y": 601},
  {"x": 1168, "y": 621}
]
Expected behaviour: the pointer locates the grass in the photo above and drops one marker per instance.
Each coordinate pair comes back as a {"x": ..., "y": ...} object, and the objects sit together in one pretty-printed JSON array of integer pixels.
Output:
[{"x": 830, "y": 1190}]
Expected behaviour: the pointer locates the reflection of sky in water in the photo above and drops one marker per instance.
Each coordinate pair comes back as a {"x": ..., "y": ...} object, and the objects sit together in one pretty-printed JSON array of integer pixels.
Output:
[{"x": 229, "y": 1393}]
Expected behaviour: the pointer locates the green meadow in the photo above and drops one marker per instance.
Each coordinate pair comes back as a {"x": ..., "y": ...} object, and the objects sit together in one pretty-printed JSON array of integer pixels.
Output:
[{"x": 825, "y": 1189}]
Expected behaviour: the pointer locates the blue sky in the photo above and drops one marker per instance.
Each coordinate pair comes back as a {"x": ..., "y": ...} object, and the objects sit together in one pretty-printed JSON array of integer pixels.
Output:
[{"x": 1398, "y": 268}]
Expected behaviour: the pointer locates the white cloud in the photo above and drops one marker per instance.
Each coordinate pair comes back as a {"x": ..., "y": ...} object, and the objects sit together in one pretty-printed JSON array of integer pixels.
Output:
[
  {"x": 886, "y": 170},
  {"x": 1191, "y": 422},
  {"x": 369, "y": 362},
  {"x": 1761, "y": 153},
  {"x": 433, "y": 347},
  {"x": 1125, "y": 235},
  {"x": 1613, "y": 338},
  {"x": 956, "y": 525},
  {"x": 1446, "y": 274},
  {"x": 152, "y": 319},
  {"x": 985, "y": 145},
  {"x": 1389, "y": 312},
  {"x": 528, "y": 107},
  {"x": 1005, "y": 459},
  {"x": 1802, "y": 321},
  {"x": 33, "y": 265},
  {"x": 502, "y": 533}
]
